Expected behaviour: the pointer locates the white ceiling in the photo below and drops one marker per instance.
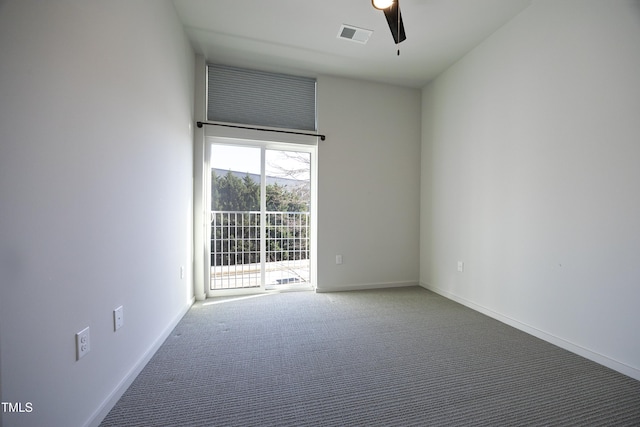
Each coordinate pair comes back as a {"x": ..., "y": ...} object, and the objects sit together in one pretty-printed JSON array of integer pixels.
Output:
[{"x": 300, "y": 36}]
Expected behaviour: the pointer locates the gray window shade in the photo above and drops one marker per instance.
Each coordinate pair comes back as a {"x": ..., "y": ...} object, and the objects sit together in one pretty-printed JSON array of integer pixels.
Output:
[{"x": 252, "y": 97}]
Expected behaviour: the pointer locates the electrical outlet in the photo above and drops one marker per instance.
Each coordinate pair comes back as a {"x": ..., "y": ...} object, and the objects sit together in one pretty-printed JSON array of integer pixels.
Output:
[
  {"x": 338, "y": 259},
  {"x": 83, "y": 343},
  {"x": 118, "y": 318},
  {"x": 182, "y": 271},
  {"x": 460, "y": 266}
]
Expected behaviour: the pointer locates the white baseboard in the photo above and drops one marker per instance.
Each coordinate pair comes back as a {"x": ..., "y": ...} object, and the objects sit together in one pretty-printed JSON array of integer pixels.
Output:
[
  {"x": 117, "y": 393},
  {"x": 550, "y": 338},
  {"x": 321, "y": 289}
]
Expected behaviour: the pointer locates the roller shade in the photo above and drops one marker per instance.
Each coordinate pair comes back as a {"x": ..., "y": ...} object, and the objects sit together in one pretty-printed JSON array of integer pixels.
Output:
[{"x": 258, "y": 98}]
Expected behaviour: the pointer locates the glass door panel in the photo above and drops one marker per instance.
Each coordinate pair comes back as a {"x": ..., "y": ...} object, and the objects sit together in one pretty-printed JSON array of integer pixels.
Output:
[
  {"x": 287, "y": 217},
  {"x": 235, "y": 217},
  {"x": 261, "y": 224}
]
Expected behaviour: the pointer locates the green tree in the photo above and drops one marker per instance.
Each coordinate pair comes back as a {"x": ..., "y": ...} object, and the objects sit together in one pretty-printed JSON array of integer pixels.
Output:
[
  {"x": 280, "y": 199},
  {"x": 230, "y": 193},
  {"x": 250, "y": 194}
]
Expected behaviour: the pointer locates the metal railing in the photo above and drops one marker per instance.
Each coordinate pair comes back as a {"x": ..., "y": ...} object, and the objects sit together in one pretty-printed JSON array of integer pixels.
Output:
[{"x": 236, "y": 242}]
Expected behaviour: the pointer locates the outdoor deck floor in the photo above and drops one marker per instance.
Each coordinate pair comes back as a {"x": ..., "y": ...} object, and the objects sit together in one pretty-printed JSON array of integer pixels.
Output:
[{"x": 248, "y": 275}]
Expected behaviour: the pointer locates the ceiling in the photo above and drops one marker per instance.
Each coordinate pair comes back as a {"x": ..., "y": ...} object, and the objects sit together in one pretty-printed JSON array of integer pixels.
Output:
[{"x": 300, "y": 37}]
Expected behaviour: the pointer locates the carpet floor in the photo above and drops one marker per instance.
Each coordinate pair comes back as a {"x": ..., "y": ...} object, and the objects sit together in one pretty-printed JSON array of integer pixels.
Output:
[{"x": 389, "y": 357}]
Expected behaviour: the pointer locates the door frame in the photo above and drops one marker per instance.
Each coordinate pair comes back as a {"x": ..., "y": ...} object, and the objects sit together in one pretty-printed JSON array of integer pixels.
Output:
[{"x": 263, "y": 145}]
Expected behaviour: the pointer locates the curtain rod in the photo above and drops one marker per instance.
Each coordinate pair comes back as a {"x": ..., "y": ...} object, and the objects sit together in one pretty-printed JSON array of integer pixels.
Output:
[{"x": 322, "y": 137}]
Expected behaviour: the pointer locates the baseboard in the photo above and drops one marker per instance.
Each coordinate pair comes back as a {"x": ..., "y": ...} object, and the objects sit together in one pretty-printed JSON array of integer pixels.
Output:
[
  {"x": 117, "y": 393},
  {"x": 363, "y": 287},
  {"x": 550, "y": 338}
]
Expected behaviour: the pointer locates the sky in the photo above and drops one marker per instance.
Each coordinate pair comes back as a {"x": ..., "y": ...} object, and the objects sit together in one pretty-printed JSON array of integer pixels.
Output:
[
  {"x": 247, "y": 160},
  {"x": 241, "y": 159}
]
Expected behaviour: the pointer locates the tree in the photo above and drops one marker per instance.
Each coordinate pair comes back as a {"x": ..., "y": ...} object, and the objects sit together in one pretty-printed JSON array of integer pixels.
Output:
[
  {"x": 230, "y": 193},
  {"x": 280, "y": 199}
]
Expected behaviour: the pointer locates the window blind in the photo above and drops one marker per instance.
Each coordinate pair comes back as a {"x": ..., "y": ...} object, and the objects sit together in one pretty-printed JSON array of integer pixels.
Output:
[{"x": 251, "y": 97}]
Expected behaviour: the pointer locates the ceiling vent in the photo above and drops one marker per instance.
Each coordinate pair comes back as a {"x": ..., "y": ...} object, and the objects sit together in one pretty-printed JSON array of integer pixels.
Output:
[{"x": 354, "y": 34}]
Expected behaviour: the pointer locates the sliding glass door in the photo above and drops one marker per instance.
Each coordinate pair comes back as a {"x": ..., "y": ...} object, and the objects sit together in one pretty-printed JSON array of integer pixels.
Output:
[{"x": 261, "y": 199}]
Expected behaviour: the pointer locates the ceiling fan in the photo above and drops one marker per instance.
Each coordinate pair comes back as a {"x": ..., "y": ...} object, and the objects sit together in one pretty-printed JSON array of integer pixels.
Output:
[{"x": 391, "y": 9}]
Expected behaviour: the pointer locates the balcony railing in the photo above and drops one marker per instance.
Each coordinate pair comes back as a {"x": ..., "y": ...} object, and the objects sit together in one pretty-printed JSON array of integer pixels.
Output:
[{"x": 236, "y": 248}]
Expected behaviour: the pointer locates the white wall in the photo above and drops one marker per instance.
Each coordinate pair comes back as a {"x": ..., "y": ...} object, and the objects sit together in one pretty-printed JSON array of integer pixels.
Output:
[
  {"x": 96, "y": 102},
  {"x": 531, "y": 177},
  {"x": 368, "y": 185}
]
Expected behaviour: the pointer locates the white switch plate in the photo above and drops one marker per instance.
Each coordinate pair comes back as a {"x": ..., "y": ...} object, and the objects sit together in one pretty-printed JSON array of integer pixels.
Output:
[
  {"x": 83, "y": 343},
  {"x": 182, "y": 271},
  {"x": 338, "y": 259},
  {"x": 460, "y": 266},
  {"x": 118, "y": 318}
]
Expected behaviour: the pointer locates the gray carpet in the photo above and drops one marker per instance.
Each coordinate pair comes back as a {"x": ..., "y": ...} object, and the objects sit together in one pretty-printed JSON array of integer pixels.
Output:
[{"x": 371, "y": 358}]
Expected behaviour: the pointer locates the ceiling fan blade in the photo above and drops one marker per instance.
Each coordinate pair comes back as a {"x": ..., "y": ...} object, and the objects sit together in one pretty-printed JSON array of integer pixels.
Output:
[{"x": 391, "y": 13}]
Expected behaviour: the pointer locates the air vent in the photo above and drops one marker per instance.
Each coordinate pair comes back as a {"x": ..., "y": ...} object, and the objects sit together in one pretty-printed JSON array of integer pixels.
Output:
[{"x": 354, "y": 34}]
